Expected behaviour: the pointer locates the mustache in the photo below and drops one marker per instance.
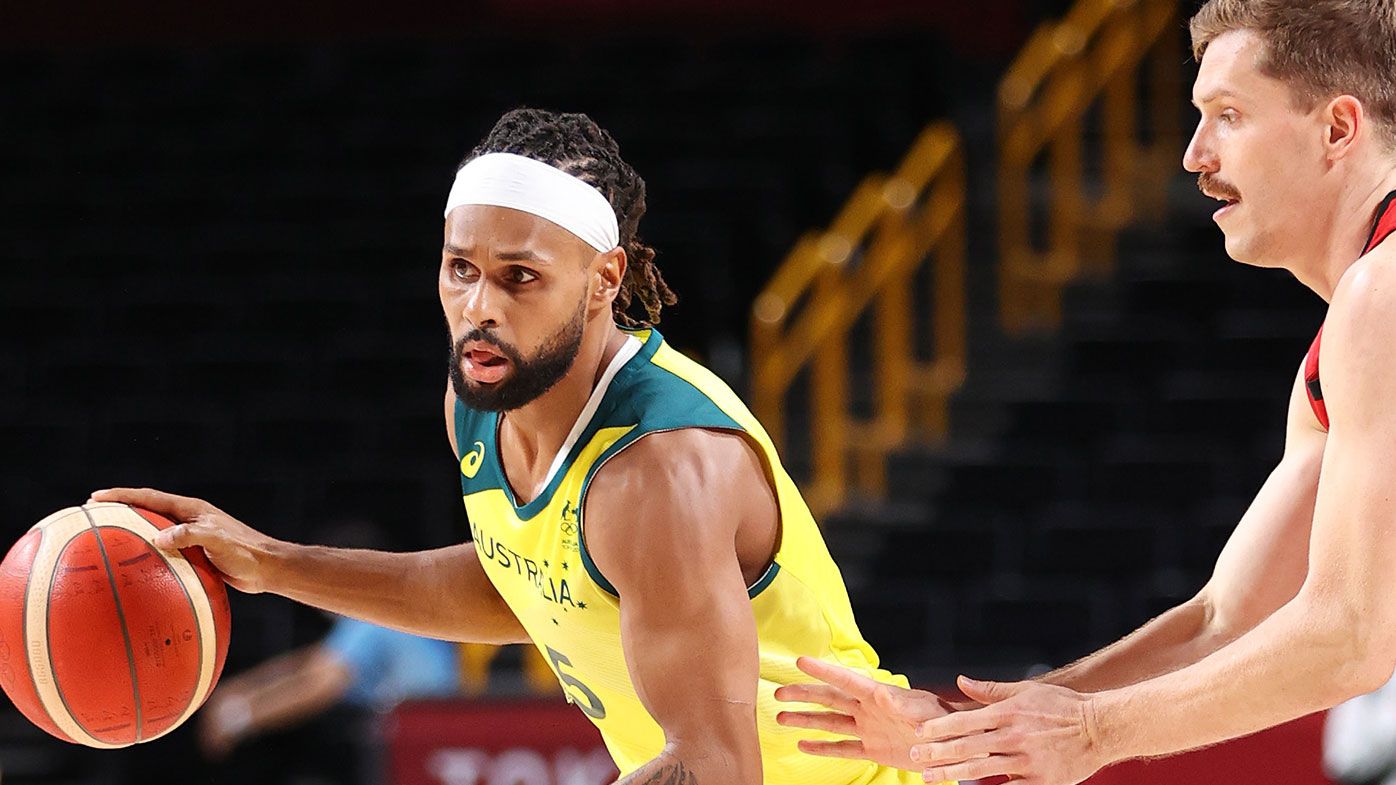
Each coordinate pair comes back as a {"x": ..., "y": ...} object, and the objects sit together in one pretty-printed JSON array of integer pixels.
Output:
[
  {"x": 509, "y": 352},
  {"x": 1210, "y": 185}
]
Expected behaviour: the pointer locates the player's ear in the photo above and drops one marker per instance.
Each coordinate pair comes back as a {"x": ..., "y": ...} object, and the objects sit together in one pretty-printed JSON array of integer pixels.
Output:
[
  {"x": 1345, "y": 121},
  {"x": 608, "y": 271}
]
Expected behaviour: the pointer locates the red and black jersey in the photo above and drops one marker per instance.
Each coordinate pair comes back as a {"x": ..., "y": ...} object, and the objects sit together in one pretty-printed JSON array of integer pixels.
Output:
[{"x": 1382, "y": 227}]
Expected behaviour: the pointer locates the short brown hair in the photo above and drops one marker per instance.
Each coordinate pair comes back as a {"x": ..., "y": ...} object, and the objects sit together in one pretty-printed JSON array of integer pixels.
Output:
[{"x": 1321, "y": 48}]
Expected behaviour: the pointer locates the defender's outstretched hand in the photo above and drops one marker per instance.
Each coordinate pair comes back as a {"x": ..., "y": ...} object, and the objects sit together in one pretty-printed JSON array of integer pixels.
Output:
[
  {"x": 1040, "y": 734},
  {"x": 235, "y": 548},
  {"x": 882, "y": 719}
]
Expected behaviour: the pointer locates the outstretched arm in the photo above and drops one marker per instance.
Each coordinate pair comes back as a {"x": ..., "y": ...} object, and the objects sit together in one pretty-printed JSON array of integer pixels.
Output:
[
  {"x": 1260, "y": 569},
  {"x": 1337, "y": 638},
  {"x": 1334, "y": 640},
  {"x": 442, "y": 593},
  {"x": 661, "y": 523}
]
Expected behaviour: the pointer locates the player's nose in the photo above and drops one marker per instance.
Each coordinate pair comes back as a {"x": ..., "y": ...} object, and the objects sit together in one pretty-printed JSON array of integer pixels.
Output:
[
  {"x": 1200, "y": 155},
  {"x": 479, "y": 307}
]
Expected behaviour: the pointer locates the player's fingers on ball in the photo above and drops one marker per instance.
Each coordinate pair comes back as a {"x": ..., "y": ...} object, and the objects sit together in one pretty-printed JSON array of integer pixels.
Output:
[
  {"x": 852, "y": 682},
  {"x": 151, "y": 499},
  {"x": 830, "y": 721},
  {"x": 174, "y": 538},
  {"x": 140, "y": 496},
  {"x": 977, "y": 769},
  {"x": 822, "y": 694},
  {"x": 834, "y": 749},
  {"x": 118, "y": 495}
]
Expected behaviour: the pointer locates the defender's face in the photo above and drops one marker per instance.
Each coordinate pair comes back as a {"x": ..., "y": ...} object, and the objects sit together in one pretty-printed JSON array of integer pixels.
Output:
[
  {"x": 1257, "y": 152},
  {"x": 513, "y": 287}
]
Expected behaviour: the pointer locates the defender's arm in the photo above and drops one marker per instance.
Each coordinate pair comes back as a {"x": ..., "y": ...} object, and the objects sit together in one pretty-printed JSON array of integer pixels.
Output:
[
  {"x": 1260, "y": 569},
  {"x": 1334, "y": 640},
  {"x": 1337, "y": 638}
]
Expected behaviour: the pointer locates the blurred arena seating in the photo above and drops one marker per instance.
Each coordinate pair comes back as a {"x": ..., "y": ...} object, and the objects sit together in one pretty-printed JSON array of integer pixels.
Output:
[
  {"x": 220, "y": 263},
  {"x": 1093, "y": 467},
  {"x": 1093, "y": 474},
  {"x": 219, "y": 279},
  {"x": 224, "y": 263}
]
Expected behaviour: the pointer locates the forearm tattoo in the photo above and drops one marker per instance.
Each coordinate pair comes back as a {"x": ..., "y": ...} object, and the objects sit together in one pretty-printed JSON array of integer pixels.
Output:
[{"x": 662, "y": 774}]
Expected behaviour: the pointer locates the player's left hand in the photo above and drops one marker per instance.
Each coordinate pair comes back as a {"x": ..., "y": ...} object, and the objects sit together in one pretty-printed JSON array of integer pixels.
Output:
[
  {"x": 881, "y": 718},
  {"x": 1039, "y": 734}
]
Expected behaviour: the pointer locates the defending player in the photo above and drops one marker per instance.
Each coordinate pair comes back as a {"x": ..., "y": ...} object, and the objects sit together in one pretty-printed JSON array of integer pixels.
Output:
[
  {"x": 1298, "y": 137},
  {"x": 630, "y": 517}
]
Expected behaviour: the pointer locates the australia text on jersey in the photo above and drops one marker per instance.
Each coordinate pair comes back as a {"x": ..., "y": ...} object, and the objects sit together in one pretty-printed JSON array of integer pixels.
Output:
[{"x": 526, "y": 568}]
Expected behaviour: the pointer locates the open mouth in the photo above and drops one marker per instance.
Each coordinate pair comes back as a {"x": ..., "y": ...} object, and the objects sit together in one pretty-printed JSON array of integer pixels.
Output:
[
  {"x": 483, "y": 366},
  {"x": 1228, "y": 205}
]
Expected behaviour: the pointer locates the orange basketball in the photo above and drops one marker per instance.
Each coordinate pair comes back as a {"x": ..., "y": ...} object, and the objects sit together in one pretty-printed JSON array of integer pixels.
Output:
[{"x": 104, "y": 639}]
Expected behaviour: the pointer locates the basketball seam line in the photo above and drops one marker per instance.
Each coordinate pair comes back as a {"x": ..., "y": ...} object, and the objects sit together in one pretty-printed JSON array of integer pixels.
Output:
[
  {"x": 50, "y": 694},
  {"x": 189, "y": 598},
  {"x": 144, "y": 528},
  {"x": 24, "y": 627},
  {"x": 48, "y": 644},
  {"x": 121, "y": 618}
]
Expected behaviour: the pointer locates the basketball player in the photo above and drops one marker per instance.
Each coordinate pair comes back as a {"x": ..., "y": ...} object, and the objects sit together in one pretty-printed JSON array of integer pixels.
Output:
[
  {"x": 629, "y": 516},
  {"x": 1298, "y": 138}
]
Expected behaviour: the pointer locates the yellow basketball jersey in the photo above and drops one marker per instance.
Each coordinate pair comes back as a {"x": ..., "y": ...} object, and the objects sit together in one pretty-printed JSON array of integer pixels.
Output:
[{"x": 535, "y": 555}]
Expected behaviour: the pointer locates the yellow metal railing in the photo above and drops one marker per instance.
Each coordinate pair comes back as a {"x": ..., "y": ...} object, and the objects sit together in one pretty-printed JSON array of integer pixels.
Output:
[
  {"x": 1088, "y": 65},
  {"x": 870, "y": 262}
]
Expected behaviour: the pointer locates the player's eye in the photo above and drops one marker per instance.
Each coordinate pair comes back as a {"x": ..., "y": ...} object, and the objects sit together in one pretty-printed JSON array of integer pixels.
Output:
[
  {"x": 1228, "y": 117},
  {"x": 462, "y": 270},
  {"x": 521, "y": 275}
]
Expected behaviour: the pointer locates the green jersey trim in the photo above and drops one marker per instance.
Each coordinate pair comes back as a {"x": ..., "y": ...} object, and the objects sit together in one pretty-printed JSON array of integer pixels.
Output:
[
  {"x": 660, "y": 401},
  {"x": 484, "y": 428},
  {"x": 765, "y": 580}
]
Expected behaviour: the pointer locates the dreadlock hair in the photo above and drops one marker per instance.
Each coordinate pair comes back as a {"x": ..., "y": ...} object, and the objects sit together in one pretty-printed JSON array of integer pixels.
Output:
[{"x": 575, "y": 144}]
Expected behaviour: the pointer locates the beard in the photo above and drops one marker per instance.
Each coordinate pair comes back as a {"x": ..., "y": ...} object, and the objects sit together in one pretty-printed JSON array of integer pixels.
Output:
[{"x": 530, "y": 378}]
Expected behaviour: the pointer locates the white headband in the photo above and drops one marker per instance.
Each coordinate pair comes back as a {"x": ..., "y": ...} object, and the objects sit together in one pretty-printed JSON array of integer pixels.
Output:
[{"x": 508, "y": 180}]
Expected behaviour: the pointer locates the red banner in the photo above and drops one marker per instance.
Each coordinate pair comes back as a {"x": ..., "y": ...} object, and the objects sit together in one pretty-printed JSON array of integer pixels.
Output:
[
  {"x": 1288, "y": 755},
  {"x": 459, "y": 742}
]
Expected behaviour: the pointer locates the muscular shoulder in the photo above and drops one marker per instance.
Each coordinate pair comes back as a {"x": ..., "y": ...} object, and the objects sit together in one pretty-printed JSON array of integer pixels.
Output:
[
  {"x": 683, "y": 492},
  {"x": 677, "y": 472},
  {"x": 1364, "y": 305},
  {"x": 1359, "y": 347},
  {"x": 687, "y": 458}
]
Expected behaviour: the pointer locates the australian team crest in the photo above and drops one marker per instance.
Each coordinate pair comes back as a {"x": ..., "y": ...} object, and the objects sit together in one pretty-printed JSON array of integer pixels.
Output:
[{"x": 569, "y": 524}]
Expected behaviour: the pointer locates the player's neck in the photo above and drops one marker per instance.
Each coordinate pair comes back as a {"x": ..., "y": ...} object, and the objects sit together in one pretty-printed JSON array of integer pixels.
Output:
[
  {"x": 532, "y": 435},
  {"x": 1355, "y": 210}
]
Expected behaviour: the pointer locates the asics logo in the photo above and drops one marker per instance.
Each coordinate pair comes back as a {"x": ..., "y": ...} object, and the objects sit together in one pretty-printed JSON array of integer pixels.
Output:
[{"x": 470, "y": 464}]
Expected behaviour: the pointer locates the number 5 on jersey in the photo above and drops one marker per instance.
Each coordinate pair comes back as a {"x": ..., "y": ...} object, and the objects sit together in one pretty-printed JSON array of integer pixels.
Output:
[{"x": 588, "y": 702}]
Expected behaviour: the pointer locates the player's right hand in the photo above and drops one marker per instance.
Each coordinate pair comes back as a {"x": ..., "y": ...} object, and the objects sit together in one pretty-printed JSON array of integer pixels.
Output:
[
  {"x": 881, "y": 718},
  {"x": 236, "y": 549}
]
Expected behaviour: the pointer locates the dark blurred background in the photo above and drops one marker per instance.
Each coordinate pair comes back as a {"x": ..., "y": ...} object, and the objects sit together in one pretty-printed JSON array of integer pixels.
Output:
[{"x": 219, "y": 231}]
